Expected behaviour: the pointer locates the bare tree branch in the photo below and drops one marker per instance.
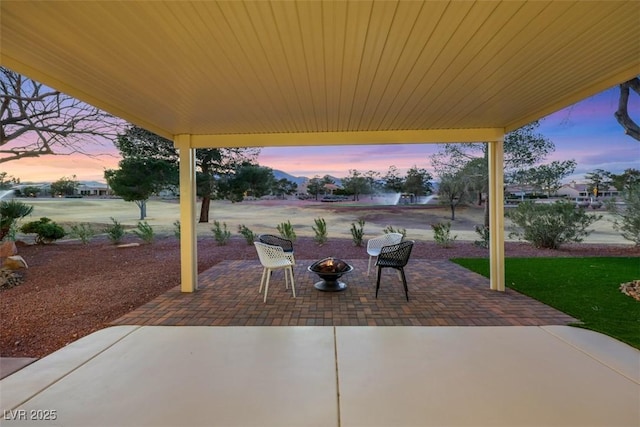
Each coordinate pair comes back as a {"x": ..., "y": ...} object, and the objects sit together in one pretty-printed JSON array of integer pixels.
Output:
[
  {"x": 36, "y": 120},
  {"x": 630, "y": 127}
]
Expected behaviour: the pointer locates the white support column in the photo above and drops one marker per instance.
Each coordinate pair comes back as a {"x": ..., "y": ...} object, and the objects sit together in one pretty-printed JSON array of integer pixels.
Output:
[
  {"x": 496, "y": 214},
  {"x": 188, "y": 231}
]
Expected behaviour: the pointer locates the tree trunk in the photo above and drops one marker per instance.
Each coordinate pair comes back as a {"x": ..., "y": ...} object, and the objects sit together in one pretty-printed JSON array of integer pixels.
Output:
[
  {"x": 142, "y": 204},
  {"x": 453, "y": 212},
  {"x": 204, "y": 209}
]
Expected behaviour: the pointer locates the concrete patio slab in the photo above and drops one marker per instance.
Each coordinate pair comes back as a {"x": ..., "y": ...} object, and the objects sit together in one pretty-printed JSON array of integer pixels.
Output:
[
  {"x": 327, "y": 376},
  {"x": 192, "y": 376},
  {"x": 497, "y": 376},
  {"x": 9, "y": 365}
]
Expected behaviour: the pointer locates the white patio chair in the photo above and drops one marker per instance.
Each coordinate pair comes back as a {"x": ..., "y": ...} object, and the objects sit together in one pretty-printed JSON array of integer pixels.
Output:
[
  {"x": 274, "y": 258},
  {"x": 374, "y": 245},
  {"x": 285, "y": 244}
]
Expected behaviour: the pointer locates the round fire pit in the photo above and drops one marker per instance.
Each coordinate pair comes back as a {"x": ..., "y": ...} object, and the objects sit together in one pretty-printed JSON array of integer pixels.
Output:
[{"x": 330, "y": 270}]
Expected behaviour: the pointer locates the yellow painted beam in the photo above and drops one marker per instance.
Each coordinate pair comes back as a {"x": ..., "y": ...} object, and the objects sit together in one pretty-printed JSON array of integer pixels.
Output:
[
  {"x": 496, "y": 215},
  {"x": 347, "y": 138},
  {"x": 188, "y": 231}
]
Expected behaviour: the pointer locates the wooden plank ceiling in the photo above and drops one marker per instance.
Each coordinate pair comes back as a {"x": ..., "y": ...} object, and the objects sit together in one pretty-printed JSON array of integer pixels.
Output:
[{"x": 249, "y": 67}]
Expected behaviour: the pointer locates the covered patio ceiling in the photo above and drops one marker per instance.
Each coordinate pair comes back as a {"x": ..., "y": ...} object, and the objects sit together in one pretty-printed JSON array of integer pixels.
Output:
[
  {"x": 260, "y": 73},
  {"x": 247, "y": 72}
]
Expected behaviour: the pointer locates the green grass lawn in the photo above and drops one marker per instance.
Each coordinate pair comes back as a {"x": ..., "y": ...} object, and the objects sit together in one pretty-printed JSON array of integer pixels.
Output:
[{"x": 585, "y": 288}]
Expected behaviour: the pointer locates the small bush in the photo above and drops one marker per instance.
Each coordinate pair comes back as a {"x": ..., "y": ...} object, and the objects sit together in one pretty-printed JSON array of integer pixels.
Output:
[
  {"x": 286, "y": 231},
  {"x": 115, "y": 231},
  {"x": 357, "y": 232},
  {"x": 551, "y": 225},
  {"x": 84, "y": 232},
  {"x": 46, "y": 231},
  {"x": 442, "y": 234},
  {"x": 321, "y": 230},
  {"x": 248, "y": 235},
  {"x": 144, "y": 231},
  {"x": 389, "y": 229},
  {"x": 176, "y": 228},
  {"x": 483, "y": 232},
  {"x": 221, "y": 233},
  {"x": 11, "y": 211}
]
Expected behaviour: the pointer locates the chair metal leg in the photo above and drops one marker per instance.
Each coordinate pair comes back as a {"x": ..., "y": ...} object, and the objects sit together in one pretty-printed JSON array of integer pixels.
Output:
[
  {"x": 404, "y": 282},
  {"x": 378, "y": 281}
]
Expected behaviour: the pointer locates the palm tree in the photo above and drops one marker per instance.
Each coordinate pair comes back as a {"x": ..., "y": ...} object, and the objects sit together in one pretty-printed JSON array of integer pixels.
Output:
[{"x": 10, "y": 211}]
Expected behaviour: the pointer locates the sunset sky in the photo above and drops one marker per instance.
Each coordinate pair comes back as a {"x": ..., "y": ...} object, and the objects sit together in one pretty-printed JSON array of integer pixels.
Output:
[{"x": 586, "y": 132}]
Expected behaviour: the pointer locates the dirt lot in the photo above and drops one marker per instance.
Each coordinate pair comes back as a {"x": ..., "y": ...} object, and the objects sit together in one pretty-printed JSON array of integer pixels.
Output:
[{"x": 71, "y": 289}]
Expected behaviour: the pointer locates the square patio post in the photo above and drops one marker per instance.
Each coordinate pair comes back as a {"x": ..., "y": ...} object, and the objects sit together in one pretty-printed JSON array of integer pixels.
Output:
[
  {"x": 188, "y": 231},
  {"x": 496, "y": 214}
]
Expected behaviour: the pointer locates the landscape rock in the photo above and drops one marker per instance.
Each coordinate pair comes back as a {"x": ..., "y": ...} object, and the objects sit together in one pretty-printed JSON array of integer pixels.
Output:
[
  {"x": 8, "y": 249},
  {"x": 15, "y": 262}
]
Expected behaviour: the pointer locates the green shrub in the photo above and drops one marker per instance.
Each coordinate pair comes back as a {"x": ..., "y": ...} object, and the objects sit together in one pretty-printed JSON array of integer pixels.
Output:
[
  {"x": 144, "y": 231},
  {"x": 248, "y": 235},
  {"x": 483, "y": 232},
  {"x": 176, "y": 228},
  {"x": 389, "y": 229},
  {"x": 357, "y": 232},
  {"x": 551, "y": 225},
  {"x": 84, "y": 232},
  {"x": 46, "y": 231},
  {"x": 321, "y": 230},
  {"x": 442, "y": 234},
  {"x": 221, "y": 233},
  {"x": 115, "y": 231},
  {"x": 627, "y": 220},
  {"x": 10, "y": 212},
  {"x": 286, "y": 231}
]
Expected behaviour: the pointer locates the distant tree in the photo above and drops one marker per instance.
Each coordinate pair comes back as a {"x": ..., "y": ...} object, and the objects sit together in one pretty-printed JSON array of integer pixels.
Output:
[
  {"x": 36, "y": 120},
  {"x": 393, "y": 182},
  {"x": 139, "y": 178},
  {"x": 314, "y": 186},
  {"x": 64, "y": 186},
  {"x": 630, "y": 127},
  {"x": 247, "y": 180},
  {"x": 418, "y": 181},
  {"x": 284, "y": 187},
  {"x": 628, "y": 178},
  {"x": 523, "y": 148},
  {"x": 453, "y": 191},
  {"x": 7, "y": 181},
  {"x": 548, "y": 178},
  {"x": 30, "y": 191},
  {"x": 373, "y": 184},
  {"x": 598, "y": 181},
  {"x": 355, "y": 184},
  {"x": 212, "y": 163}
]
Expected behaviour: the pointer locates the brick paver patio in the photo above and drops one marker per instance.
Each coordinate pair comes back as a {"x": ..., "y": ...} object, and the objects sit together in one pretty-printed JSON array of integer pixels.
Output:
[{"x": 441, "y": 294}]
